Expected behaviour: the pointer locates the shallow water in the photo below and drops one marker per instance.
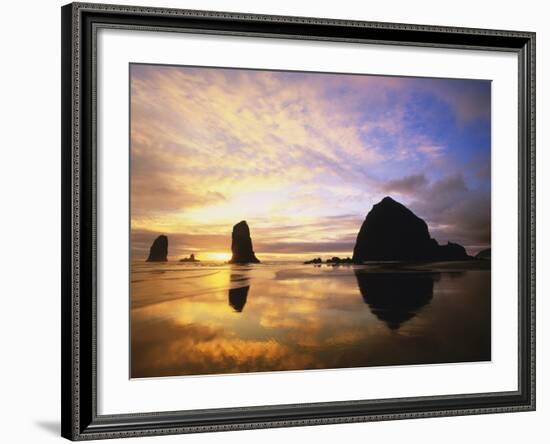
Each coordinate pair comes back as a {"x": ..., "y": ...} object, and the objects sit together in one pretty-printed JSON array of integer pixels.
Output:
[{"x": 190, "y": 319}]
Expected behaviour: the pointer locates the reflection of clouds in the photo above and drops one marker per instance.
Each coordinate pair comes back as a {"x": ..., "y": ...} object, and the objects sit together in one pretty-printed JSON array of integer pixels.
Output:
[
  {"x": 170, "y": 348},
  {"x": 237, "y": 355},
  {"x": 159, "y": 348},
  {"x": 347, "y": 337},
  {"x": 303, "y": 321},
  {"x": 274, "y": 320}
]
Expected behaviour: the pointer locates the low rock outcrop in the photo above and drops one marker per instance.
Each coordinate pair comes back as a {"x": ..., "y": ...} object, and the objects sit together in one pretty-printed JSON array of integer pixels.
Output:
[
  {"x": 191, "y": 258},
  {"x": 317, "y": 260}
]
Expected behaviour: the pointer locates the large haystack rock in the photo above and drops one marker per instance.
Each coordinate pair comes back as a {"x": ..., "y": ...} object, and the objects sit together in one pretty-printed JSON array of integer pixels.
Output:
[{"x": 392, "y": 232}]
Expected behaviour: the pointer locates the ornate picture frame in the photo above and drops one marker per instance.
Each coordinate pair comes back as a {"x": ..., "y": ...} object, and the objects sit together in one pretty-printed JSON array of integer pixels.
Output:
[{"x": 80, "y": 175}]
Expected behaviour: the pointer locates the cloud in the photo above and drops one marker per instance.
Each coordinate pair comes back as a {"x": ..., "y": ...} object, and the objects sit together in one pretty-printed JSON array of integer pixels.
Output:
[
  {"x": 345, "y": 247},
  {"x": 453, "y": 211},
  {"x": 405, "y": 185},
  {"x": 434, "y": 151},
  {"x": 456, "y": 213},
  {"x": 291, "y": 150},
  {"x": 471, "y": 100},
  {"x": 336, "y": 234},
  {"x": 180, "y": 244}
]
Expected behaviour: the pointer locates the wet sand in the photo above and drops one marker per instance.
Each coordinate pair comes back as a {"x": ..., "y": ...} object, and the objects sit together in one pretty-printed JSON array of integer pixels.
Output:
[{"x": 212, "y": 318}]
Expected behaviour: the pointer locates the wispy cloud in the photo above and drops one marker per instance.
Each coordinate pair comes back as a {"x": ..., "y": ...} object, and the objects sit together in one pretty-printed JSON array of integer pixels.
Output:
[
  {"x": 210, "y": 147},
  {"x": 406, "y": 185}
]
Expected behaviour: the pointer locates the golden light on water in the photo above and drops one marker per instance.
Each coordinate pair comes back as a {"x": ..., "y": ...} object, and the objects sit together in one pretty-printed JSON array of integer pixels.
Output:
[{"x": 296, "y": 317}]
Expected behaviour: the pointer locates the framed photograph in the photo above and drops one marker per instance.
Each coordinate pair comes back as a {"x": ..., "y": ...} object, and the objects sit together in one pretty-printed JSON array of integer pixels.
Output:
[{"x": 282, "y": 221}]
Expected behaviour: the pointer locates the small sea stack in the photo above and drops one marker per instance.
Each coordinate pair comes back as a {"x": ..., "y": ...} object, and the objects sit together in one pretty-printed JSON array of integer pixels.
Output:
[
  {"x": 241, "y": 245},
  {"x": 159, "y": 250}
]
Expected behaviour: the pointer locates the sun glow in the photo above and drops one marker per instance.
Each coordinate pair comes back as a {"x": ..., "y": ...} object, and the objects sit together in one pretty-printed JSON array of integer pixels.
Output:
[
  {"x": 302, "y": 157},
  {"x": 217, "y": 256}
]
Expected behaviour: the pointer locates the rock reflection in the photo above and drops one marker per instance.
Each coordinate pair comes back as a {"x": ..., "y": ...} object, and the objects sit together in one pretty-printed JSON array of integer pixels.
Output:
[
  {"x": 222, "y": 319},
  {"x": 395, "y": 297},
  {"x": 240, "y": 285},
  {"x": 237, "y": 297}
]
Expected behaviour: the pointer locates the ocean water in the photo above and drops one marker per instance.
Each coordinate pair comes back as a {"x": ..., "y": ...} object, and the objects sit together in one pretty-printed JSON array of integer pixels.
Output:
[{"x": 212, "y": 318}]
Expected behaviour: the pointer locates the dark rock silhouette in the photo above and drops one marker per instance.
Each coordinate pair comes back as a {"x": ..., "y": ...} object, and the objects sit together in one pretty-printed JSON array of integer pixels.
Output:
[
  {"x": 451, "y": 252},
  {"x": 392, "y": 232},
  {"x": 191, "y": 258},
  {"x": 337, "y": 261},
  {"x": 317, "y": 260},
  {"x": 484, "y": 254},
  {"x": 241, "y": 245},
  {"x": 159, "y": 250},
  {"x": 395, "y": 297},
  {"x": 334, "y": 261}
]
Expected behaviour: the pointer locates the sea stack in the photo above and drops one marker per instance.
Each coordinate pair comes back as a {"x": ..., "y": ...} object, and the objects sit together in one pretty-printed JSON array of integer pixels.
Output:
[
  {"x": 159, "y": 250},
  {"x": 241, "y": 245},
  {"x": 392, "y": 232}
]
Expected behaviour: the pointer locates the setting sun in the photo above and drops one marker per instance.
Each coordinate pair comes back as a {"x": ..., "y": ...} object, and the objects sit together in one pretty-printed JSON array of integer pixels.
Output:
[{"x": 216, "y": 256}]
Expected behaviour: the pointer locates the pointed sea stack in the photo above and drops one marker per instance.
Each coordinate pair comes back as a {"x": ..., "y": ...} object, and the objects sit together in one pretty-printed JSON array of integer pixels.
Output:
[
  {"x": 159, "y": 250},
  {"x": 241, "y": 245},
  {"x": 392, "y": 232}
]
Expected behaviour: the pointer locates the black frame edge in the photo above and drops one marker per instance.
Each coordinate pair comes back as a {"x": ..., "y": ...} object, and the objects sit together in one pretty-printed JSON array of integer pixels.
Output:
[
  {"x": 79, "y": 418},
  {"x": 527, "y": 218},
  {"x": 67, "y": 357}
]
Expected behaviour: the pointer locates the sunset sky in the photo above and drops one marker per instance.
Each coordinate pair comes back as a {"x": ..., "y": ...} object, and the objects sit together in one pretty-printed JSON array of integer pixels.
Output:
[{"x": 302, "y": 157}]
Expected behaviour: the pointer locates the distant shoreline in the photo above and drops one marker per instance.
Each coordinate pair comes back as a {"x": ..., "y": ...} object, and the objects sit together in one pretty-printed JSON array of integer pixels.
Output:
[{"x": 405, "y": 266}]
